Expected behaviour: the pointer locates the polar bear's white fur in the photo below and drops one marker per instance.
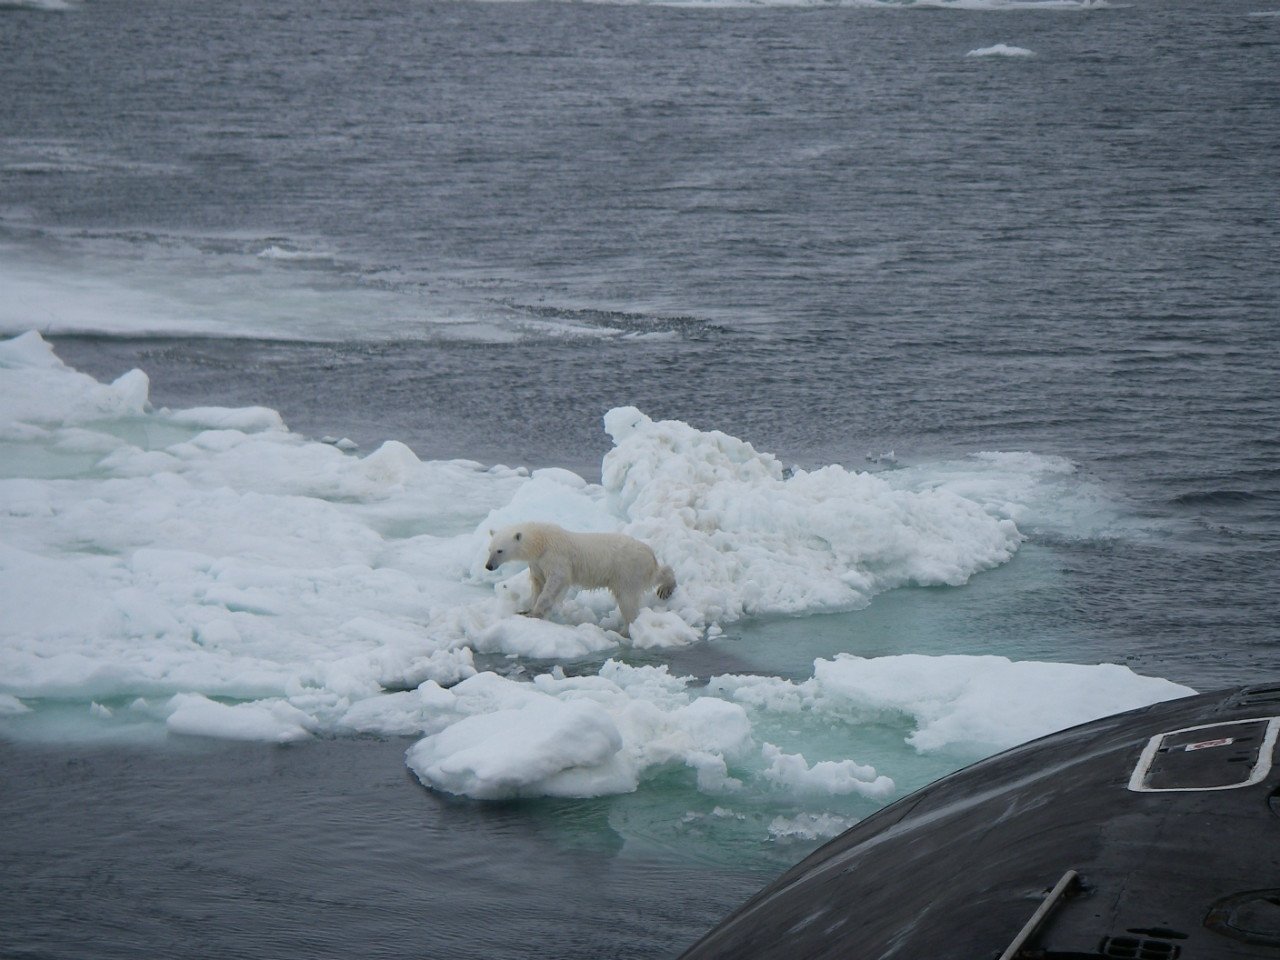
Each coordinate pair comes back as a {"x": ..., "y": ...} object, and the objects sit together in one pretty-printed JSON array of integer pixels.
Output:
[{"x": 559, "y": 559}]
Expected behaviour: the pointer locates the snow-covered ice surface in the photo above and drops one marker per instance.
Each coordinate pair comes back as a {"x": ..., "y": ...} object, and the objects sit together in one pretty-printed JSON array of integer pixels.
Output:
[{"x": 207, "y": 572}]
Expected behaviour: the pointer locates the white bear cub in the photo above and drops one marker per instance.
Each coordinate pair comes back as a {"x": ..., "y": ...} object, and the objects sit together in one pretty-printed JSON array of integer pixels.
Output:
[{"x": 559, "y": 559}]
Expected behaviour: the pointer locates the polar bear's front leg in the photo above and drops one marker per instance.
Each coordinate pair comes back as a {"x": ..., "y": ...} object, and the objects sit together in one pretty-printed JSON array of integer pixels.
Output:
[
  {"x": 554, "y": 583},
  {"x": 539, "y": 581}
]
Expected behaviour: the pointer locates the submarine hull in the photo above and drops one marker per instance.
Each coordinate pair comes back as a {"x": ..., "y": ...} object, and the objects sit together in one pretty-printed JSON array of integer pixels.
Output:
[{"x": 1152, "y": 835}]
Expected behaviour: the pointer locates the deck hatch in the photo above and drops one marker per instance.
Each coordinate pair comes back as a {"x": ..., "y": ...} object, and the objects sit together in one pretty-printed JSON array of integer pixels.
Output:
[
  {"x": 1256, "y": 696},
  {"x": 1216, "y": 756},
  {"x": 1252, "y": 917},
  {"x": 1139, "y": 948}
]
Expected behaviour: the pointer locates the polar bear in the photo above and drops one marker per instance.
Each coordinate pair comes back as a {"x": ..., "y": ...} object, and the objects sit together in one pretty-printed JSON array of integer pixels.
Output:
[{"x": 559, "y": 559}]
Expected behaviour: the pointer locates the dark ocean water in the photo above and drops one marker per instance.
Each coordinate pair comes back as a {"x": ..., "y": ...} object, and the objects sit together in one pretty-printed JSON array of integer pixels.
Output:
[
  {"x": 331, "y": 850},
  {"x": 827, "y": 230}
]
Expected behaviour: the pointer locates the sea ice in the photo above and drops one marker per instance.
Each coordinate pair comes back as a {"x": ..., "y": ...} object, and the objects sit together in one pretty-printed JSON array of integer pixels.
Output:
[
  {"x": 11, "y": 706},
  {"x": 974, "y": 705},
  {"x": 808, "y": 826},
  {"x": 210, "y": 571},
  {"x": 545, "y": 747},
  {"x": 746, "y": 539},
  {"x": 1000, "y": 50}
]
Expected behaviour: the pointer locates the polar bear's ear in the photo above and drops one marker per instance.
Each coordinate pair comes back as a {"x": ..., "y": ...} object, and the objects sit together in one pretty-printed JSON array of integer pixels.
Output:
[
  {"x": 519, "y": 534},
  {"x": 492, "y": 534}
]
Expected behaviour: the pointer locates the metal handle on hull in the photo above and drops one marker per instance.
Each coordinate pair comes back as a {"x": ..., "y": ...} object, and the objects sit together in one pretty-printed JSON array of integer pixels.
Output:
[{"x": 1029, "y": 928}]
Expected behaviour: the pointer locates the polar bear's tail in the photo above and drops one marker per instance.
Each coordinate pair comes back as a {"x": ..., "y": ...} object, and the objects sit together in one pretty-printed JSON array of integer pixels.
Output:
[{"x": 666, "y": 582}]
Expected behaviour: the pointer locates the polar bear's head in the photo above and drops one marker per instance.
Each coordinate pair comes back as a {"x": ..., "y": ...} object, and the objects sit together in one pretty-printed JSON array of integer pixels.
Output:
[{"x": 504, "y": 545}]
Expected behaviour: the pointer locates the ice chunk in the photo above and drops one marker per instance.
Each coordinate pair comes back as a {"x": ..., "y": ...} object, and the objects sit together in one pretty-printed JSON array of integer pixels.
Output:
[
  {"x": 1000, "y": 50},
  {"x": 546, "y": 747},
  {"x": 520, "y": 739},
  {"x": 529, "y": 637},
  {"x": 406, "y": 712},
  {"x": 809, "y": 826},
  {"x": 11, "y": 706},
  {"x": 661, "y": 629},
  {"x": 244, "y": 419},
  {"x": 829, "y": 777},
  {"x": 272, "y": 720},
  {"x": 989, "y": 702},
  {"x": 745, "y": 538},
  {"x": 37, "y": 388},
  {"x": 29, "y": 350},
  {"x": 974, "y": 704}
]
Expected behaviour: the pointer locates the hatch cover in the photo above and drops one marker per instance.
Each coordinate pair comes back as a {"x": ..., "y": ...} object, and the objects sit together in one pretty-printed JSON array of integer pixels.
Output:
[
  {"x": 1256, "y": 696},
  {"x": 1253, "y": 917},
  {"x": 1216, "y": 756}
]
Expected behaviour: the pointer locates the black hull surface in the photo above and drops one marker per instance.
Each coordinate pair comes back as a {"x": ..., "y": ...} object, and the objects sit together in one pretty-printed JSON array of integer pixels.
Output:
[{"x": 1151, "y": 835}]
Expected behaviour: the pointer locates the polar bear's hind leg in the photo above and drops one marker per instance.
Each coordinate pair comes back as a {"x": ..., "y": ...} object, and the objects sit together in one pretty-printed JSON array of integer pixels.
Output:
[{"x": 628, "y": 606}]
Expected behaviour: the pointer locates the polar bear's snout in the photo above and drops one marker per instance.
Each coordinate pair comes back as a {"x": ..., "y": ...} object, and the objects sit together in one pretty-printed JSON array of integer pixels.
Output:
[{"x": 504, "y": 548}]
